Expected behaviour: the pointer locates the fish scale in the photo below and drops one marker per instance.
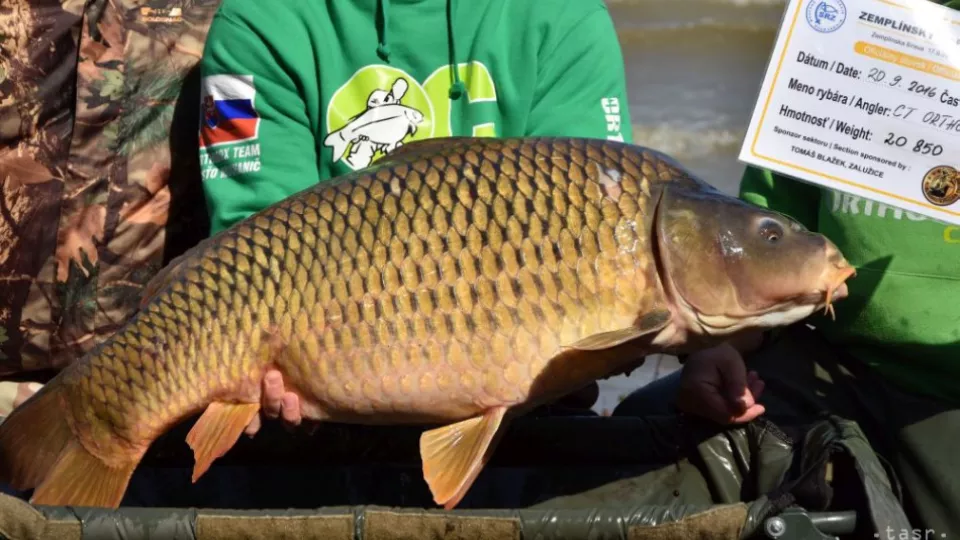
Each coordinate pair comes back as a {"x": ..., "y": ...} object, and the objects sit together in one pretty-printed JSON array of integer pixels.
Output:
[{"x": 451, "y": 282}]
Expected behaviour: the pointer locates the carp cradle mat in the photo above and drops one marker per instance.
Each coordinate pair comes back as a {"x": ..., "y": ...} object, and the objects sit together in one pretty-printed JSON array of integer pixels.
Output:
[{"x": 652, "y": 478}]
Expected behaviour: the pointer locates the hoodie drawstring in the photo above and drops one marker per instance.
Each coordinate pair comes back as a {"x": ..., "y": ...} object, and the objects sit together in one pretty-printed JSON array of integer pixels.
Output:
[
  {"x": 383, "y": 48},
  {"x": 457, "y": 89}
]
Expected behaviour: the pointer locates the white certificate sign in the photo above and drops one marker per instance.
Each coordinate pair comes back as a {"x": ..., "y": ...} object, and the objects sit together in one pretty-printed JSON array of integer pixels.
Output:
[{"x": 864, "y": 96}]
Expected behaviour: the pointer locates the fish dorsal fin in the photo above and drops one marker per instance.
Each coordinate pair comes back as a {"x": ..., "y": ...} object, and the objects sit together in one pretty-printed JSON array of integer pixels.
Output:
[
  {"x": 162, "y": 277},
  {"x": 413, "y": 149},
  {"x": 649, "y": 322},
  {"x": 454, "y": 455}
]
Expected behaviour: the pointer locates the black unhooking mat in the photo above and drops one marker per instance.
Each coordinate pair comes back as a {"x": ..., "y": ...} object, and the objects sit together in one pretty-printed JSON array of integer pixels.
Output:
[{"x": 552, "y": 477}]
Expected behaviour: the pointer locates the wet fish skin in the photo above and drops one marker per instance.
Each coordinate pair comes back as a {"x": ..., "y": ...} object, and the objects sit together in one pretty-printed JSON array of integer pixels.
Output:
[{"x": 458, "y": 281}]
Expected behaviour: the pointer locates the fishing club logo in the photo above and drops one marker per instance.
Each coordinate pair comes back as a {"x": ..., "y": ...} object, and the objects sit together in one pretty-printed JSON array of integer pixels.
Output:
[
  {"x": 941, "y": 185},
  {"x": 826, "y": 15},
  {"x": 375, "y": 112},
  {"x": 229, "y": 115}
]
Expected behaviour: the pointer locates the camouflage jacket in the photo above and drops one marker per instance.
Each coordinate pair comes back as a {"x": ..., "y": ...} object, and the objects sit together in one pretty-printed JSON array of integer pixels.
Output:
[{"x": 99, "y": 169}]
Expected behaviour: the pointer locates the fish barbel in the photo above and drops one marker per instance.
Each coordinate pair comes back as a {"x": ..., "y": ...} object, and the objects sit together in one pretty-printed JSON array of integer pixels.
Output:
[{"x": 457, "y": 282}]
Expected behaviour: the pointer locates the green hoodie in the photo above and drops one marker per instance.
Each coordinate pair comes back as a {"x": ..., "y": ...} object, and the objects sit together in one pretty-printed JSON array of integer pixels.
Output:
[
  {"x": 903, "y": 313},
  {"x": 298, "y": 92}
]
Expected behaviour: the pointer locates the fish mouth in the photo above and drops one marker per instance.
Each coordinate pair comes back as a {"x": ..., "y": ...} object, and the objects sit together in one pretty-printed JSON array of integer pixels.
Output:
[{"x": 838, "y": 290}]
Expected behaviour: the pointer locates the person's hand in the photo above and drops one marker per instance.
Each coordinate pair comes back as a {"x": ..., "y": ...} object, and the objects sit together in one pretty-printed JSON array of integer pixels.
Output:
[
  {"x": 715, "y": 385},
  {"x": 276, "y": 403}
]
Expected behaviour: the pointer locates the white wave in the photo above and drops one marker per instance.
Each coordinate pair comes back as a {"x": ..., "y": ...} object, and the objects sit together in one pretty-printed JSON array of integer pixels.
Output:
[
  {"x": 644, "y": 29},
  {"x": 687, "y": 142}
]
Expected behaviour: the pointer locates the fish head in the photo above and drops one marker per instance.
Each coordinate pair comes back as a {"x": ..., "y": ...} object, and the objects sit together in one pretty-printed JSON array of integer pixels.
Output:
[{"x": 727, "y": 264}]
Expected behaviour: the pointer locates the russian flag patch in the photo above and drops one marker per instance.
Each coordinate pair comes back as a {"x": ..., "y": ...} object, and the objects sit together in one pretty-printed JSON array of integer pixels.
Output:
[{"x": 228, "y": 114}]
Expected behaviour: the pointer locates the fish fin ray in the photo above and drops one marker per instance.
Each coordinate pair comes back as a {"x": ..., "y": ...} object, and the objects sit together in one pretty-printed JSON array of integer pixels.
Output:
[
  {"x": 81, "y": 479},
  {"x": 454, "y": 455},
  {"x": 32, "y": 439},
  {"x": 216, "y": 431},
  {"x": 646, "y": 324}
]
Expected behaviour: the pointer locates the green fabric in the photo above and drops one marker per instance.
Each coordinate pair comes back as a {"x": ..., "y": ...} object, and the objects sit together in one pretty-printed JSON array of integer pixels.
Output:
[
  {"x": 901, "y": 316},
  {"x": 545, "y": 68}
]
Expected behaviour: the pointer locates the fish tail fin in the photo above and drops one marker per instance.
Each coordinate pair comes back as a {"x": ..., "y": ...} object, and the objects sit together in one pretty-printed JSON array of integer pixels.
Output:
[
  {"x": 82, "y": 479},
  {"x": 32, "y": 438},
  {"x": 38, "y": 450}
]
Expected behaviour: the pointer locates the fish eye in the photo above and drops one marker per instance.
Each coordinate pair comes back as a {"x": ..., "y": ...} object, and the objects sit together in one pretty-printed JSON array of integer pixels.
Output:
[{"x": 771, "y": 231}]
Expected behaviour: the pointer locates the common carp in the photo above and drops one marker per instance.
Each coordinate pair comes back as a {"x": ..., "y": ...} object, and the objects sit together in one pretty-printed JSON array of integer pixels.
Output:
[{"x": 457, "y": 282}]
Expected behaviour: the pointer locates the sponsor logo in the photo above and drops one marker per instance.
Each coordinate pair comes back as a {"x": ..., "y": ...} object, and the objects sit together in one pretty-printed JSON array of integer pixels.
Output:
[
  {"x": 826, "y": 15},
  {"x": 941, "y": 185},
  {"x": 229, "y": 112}
]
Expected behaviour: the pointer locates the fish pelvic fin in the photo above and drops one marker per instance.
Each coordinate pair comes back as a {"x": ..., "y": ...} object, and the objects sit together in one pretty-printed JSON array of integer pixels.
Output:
[
  {"x": 454, "y": 455},
  {"x": 216, "y": 431},
  {"x": 81, "y": 479},
  {"x": 647, "y": 323},
  {"x": 32, "y": 438}
]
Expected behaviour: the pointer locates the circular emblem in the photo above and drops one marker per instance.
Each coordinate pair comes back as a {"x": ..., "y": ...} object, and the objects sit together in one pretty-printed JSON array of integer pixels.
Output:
[
  {"x": 826, "y": 15},
  {"x": 941, "y": 185}
]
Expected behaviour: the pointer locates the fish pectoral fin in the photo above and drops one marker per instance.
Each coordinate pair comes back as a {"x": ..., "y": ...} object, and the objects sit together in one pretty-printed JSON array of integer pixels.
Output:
[
  {"x": 216, "y": 431},
  {"x": 81, "y": 479},
  {"x": 454, "y": 455},
  {"x": 647, "y": 323}
]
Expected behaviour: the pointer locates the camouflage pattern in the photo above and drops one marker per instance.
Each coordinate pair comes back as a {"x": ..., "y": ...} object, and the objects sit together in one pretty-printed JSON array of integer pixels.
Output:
[{"x": 97, "y": 103}]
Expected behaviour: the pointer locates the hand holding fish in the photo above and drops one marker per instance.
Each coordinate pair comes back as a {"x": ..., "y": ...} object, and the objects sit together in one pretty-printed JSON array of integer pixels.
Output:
[
  {"x": 716, "y": 385},
  {"x": 276, "y": 402}
]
